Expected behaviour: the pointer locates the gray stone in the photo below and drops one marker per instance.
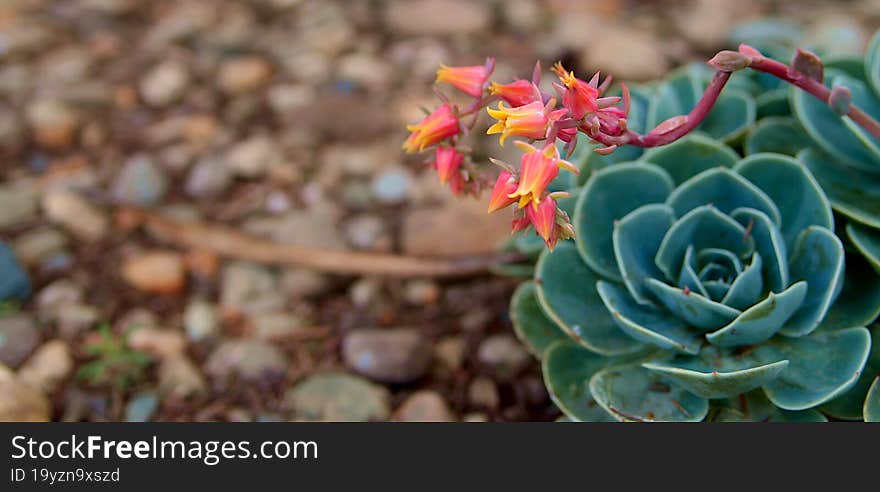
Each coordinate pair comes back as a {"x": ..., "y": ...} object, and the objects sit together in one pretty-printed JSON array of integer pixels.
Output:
[
  {"x": 483, "y": 393},
  {"x": 399, "y": 355},
  {"x": 365, "y": 232},
  {"x": 38, "y": 245},
  {"x": 298, "y": 283},
  {"x": 19, "y": 336},
  {"x": 18, "y": 204},
  {"x": 76, "y": 214},
  {"x": 278, "y": 326},
  {"x": 180, "y": 379},
  {"x": 141, "y": 182},
  {"x": 392, "y": 186},
  {"x": 209, "y": 177},
  {"x": 51, "y": 365},
  {"x": 337, "y": 397},
  {"x": 141, "y": 407},
  {"x": 504, "y": 355},
  {"x": 424, "y": 406},
  {"x": 165, "y": 83},
  {"x": 251, "y": 360},
  {"x": 250, "y": 288},
  {"x": 201, "y": 321}
]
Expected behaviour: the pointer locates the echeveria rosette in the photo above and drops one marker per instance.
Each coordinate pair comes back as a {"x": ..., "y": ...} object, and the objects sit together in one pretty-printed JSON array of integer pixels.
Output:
[
  {"x": 845, "y": 158},
  {"x": 699, "y": 292}
]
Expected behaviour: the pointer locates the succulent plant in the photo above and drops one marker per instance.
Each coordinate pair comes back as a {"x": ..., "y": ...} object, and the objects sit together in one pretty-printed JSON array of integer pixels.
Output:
[
  {"x": 702, "y": 286},
  {"x": 845, "y": 158}
]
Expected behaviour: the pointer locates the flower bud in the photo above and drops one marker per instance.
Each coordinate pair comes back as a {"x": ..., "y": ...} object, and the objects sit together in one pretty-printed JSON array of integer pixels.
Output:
[
  {"x": 505, "y": 185},
  {"x": 839, "y": 100},
  {"x": 434, "y": 128},
  {"x": 447, "y": 161},
  {"x": 517, "y": 93},
  {"x": 469, "y": 80},
  {"x": 729, "y": 61}
]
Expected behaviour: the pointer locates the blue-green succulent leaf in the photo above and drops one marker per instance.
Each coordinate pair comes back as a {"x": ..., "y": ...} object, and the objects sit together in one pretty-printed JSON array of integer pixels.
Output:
[
  {"x": 769, "y": 243},
  {"x": 871, "y": 408},
  {"x": 716, "y": 289},
  {"x": 859, "y": 301},
  {"x": 773, "y": 103},
  {"x": 761, "y": 321},
  {"x": 664, "y": 105},
  {"x": 636, "y": 239},
  {"x": 688, "y": 277},
  {"x": 865, "y": 99},
  {"x": 830, "y": 132},
  {"x": 721, "y": 257},
  {"x": 867, "y": 240},
  {"x": 734, "y": 112},
  {"x": 872, "y": 62},
  {"x": 723, "y": 189},
  {"x": 717, "y": 372},
  {"x": 698, "y": 311},
  {"x": 531, "y": 325},
  {"x": 818, "y": 259},
  {"x": 849, "y": 405},
  {"x": 777, "y": 134},
  {"x": 568, "y": 296},
  {"x": 747, "y": 287},
  {"x": 633, "y": 393},
  {"x": 703, "y": 227},
  {"x": 853, "y": 193},
  {"x": 608, "y": 196},
  {"x": 567, "y": 371},
  {"x": 823, "y": 366},
  {"x": 755, "y": 407},
  {"x": 795, "y": 192},
  {"x": 691, "y": 155},
  {"x": 646, "y": 323}
]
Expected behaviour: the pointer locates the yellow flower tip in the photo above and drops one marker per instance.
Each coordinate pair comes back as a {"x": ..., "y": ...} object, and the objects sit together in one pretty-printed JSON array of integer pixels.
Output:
[
  {"x": 568, "y": 166},
  {"x": 524, "y": 146},
  {"x": 496, "y": 128},
  {"x": 498, "y": 114}
]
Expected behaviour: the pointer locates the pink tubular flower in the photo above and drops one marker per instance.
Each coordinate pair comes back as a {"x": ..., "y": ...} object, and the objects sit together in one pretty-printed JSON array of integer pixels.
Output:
[
  {"x": 538, "y": 169},
  {"x": 447, "y": 161},
  {"x": 543, "y": 219},
  {"x": 469, "y": 80},
  {"x": 579, "y": 97},
  {"x": 504, "y": 187},
  {"x": 517, "y": 93},
  {"x": 530, "y": 121},
  {"x": 437, "y": 126}
]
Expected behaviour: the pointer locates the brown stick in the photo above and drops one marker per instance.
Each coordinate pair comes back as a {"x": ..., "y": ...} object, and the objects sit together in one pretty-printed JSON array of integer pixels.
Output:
[{"x": 233, "y": 244}]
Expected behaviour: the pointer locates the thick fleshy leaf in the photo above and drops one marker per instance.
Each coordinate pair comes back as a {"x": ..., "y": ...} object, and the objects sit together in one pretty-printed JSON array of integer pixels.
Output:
[
  {"x": 727, "y": 261},
  {"x": 687, "y": 85},
  {"x": 755, "y": 407},
  {"x": 691, "y": 155},
  {"x": 773, "y": 103},
  {"x": 781, "y": 135},
  {"x": 872, "y": 62},
  {"x": 716, "y": 289},
  {"x": 664, "y": 105},
  {"x": 567, "y": 371},
  {"x": 871, "y": 409},
  {"x": 746, "y": 289},
  {"x": 795, "y": 192},
  {"x": 688, "y": 277},
  {"x": 823, "y": 366},
  {"x": 829, "y": 131},
  {"x": 853, "y": 193},
  {"x": 567, "y": 293},
  {"x": 867, "y": 101},
  {"x": 633, "y": 393},
  {"x": 859, "y": 301},
  {"x": 761, "y": 321},
  {"x": 717, "y": 372},
  {"x": 530, "y": 324},
  {"x": 698, "y": 311},
  {"x": 636, "y": 239},
  {"x": 608, "y": 196},
  {"x": 723, "y": 189},
  {"x": 849, "y": 405},
  {"x": 647, "y": 323},
  {"x": 734, "y": 112},
  {"x": 769, "y": 243},
  {"x": 817, "y": 258},
  {"x": 867, "y": 240},
  {"x": 703, "y": 227}
]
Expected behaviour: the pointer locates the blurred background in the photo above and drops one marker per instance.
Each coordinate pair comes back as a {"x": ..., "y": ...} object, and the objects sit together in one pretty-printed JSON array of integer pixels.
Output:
[{"x": 281, "y": 119}]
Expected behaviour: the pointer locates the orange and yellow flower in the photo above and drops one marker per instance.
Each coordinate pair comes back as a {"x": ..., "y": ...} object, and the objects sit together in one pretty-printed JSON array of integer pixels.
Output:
[
  {"x": 517, "y": 93},
  {"x": 543, "y": 219},
  {"x": 505, "y": 186},
  {"x": 530, "y": 121},
  {"x": 579, "y": 97},
  {"x": 469, "y": 80},
  {"x": 434, "y": 128},
  {"x": 538, "y": 169},
  {"x": 447, "y": 161}
]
